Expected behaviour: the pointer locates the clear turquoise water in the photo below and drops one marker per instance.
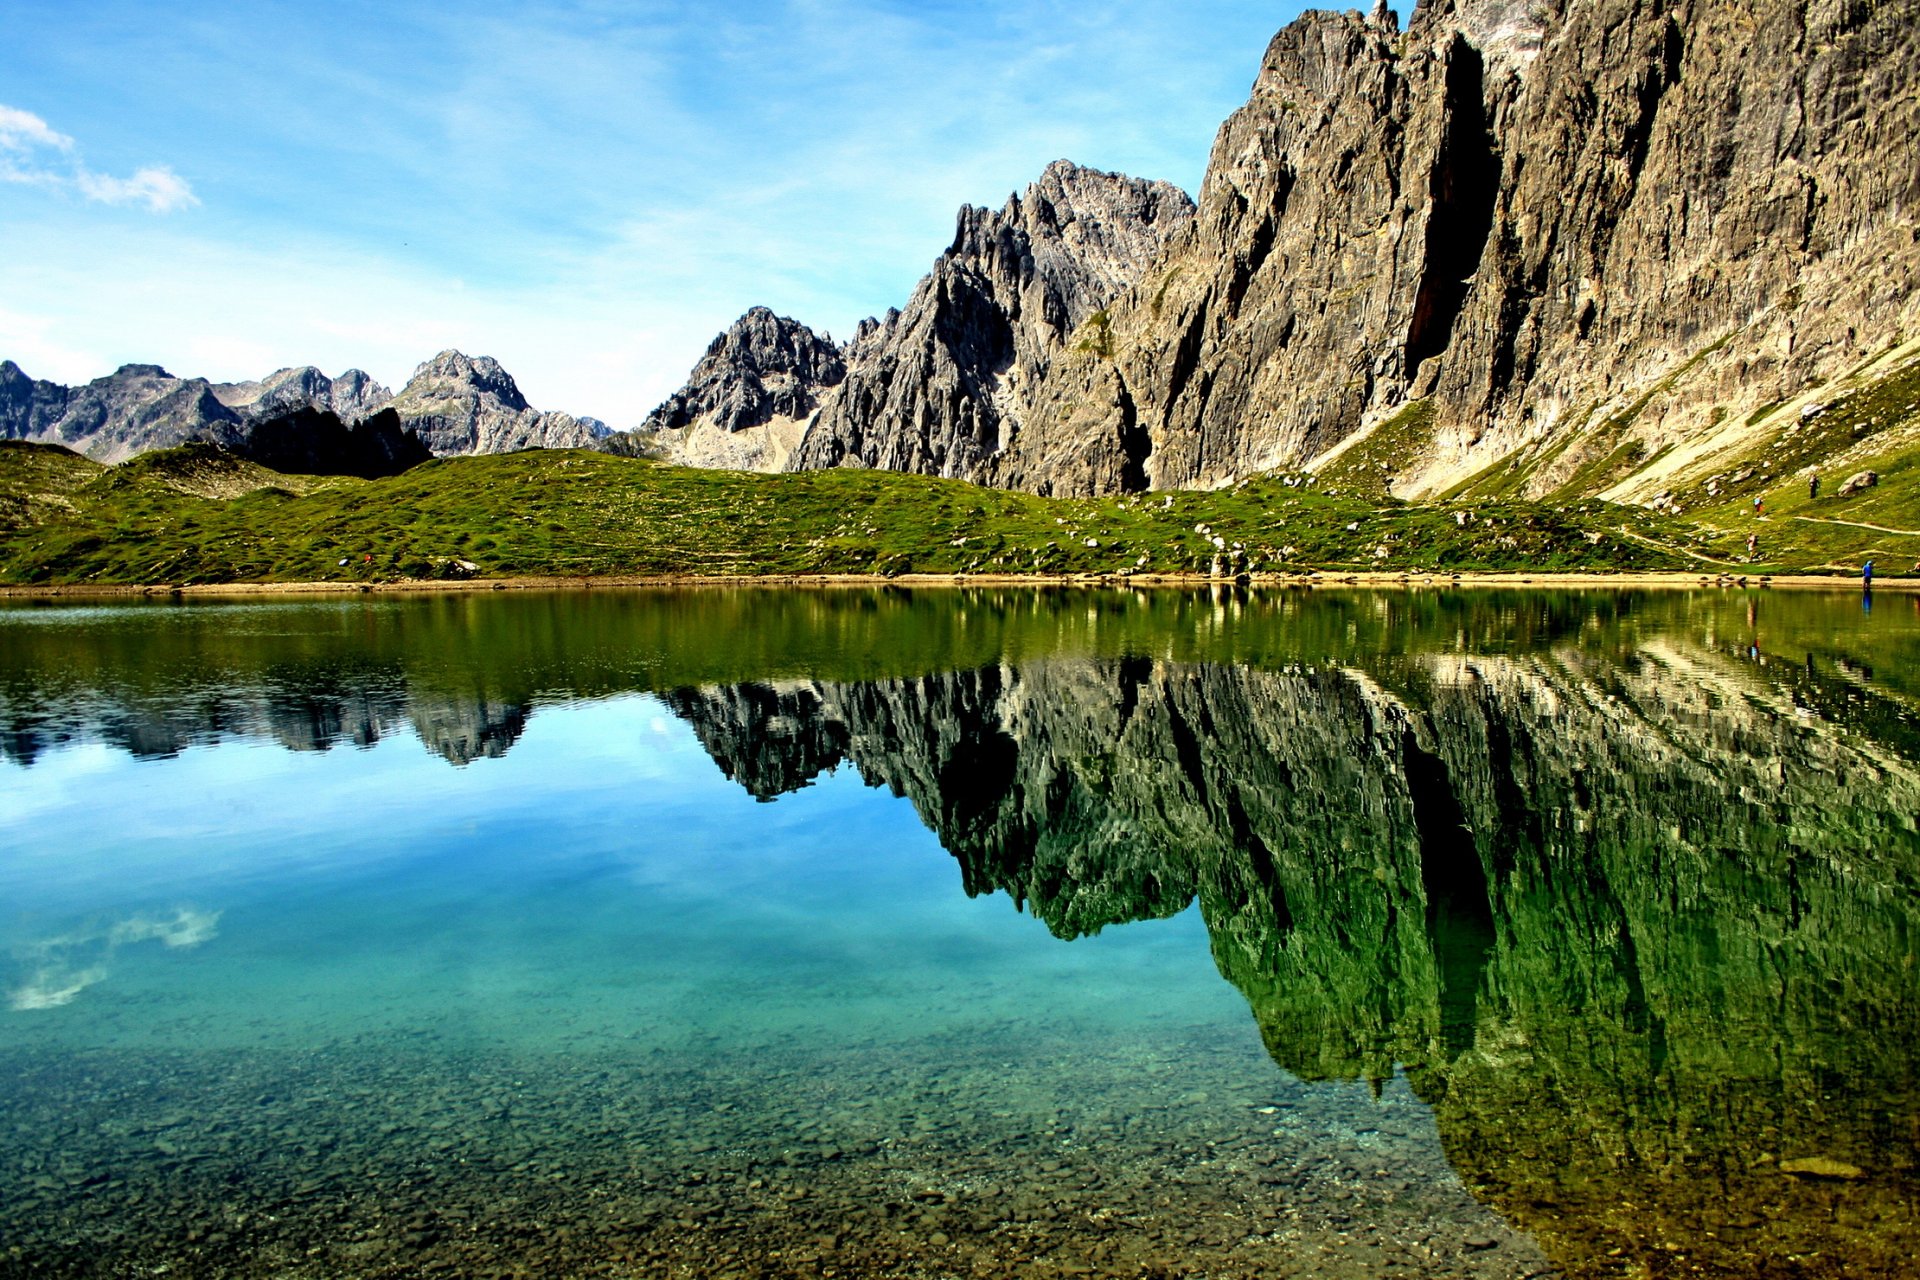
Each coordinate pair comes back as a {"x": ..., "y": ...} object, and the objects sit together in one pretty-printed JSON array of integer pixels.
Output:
[
  {"x": 600, "y": 883},
  {"x": 885, "y": 933}
]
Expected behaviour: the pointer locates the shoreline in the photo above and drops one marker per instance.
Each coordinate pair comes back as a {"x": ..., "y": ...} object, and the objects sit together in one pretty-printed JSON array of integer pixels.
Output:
[{"x": 1371, "y": 579}]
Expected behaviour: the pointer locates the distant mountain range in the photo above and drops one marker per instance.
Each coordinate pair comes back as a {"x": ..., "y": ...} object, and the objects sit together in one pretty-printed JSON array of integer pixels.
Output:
[{"x": 453, "y": 404}]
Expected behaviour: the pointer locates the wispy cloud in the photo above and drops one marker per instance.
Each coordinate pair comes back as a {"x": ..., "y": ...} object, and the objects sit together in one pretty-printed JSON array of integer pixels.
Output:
[{"x": 34, "y": 153}]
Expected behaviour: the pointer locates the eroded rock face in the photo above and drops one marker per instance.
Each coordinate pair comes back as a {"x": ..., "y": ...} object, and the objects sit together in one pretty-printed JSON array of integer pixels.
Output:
[
  {"x": 308, "y": 441},
  {"x": 461, "y": 404},
  {"x": 29, "y": 407},
  {"x": 943, "y": 386},
  {"x": 1532, "y": 215},
  {"x": 749, "y": 400}
]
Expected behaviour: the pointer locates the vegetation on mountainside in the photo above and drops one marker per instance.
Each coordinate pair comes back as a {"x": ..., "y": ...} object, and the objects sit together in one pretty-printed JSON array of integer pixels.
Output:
[{"x": 65, "y": 519}]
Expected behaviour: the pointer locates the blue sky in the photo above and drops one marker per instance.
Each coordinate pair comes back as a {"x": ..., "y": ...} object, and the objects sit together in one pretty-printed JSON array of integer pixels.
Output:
[{"x": 586, "y": 191}]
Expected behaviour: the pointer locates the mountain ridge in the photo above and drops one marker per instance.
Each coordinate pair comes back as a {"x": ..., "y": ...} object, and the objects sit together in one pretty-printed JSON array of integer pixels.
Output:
[{"x": 455, "y": 404}]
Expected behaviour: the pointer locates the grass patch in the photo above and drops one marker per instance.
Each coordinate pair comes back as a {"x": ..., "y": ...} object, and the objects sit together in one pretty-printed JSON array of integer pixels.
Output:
[
  {"x": 1368, "y": 467},
  {"x": 64, "y": 519},
  {"x": 1096, "y": 335}
]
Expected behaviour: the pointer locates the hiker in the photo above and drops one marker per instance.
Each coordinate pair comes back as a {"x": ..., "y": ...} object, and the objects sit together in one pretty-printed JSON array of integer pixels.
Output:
[
  {"x": 1813, "y": 486},
  {"x": 1866, "y": 575},
  {"x": 1753, "y": 545},
  {"x": 1756, "y": 506}
]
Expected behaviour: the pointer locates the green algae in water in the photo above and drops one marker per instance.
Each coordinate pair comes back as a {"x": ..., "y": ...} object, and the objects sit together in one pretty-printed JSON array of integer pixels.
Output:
[{"x": 1558, "y": 930}]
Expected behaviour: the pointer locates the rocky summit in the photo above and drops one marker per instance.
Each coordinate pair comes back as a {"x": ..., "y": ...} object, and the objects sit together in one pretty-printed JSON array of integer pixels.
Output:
[
  {"x": 1568, "y": 232},
  {"x": 747, "y": 402},
  {"x": 1544, "y": 248},
  {"x": 136, "y": 408},
  {"x": 461, "y": 404}
]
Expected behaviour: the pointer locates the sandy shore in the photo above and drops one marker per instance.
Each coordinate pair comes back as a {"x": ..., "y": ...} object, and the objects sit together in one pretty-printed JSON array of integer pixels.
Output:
[{"x": 1376, "y": 581}]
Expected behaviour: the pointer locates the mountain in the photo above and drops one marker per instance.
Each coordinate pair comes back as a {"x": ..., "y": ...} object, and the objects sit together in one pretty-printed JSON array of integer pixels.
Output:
[
  {"x": 1564, "y": 247},
  {"x": 461, "y": 404},
  {"x": 944, "y": 387},
  {"x": 748, "y": 401},
  {"x": 1567, "y": 235},
  {"x": 454, "y": 404},
  {"x": 136, "y": 408},
  {"x": 351, "y": 396},
  {"x": 315, "y": 442}
]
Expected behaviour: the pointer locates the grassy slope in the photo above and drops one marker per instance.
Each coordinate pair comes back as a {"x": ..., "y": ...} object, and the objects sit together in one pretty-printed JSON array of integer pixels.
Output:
[
  {"x": 1875, "y": 428},
  {"x": 64, "y": 519}
]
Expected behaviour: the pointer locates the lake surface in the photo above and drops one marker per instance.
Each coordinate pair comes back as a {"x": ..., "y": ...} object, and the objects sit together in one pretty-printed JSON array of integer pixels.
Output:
[{"x": 961, "y": 933}]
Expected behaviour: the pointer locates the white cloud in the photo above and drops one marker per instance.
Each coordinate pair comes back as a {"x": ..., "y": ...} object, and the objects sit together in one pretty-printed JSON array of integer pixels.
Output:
[
  {"x": 34, "y": 153},
  {"x": 23, "y": 131},
  {"x": 158, "y": 187}
]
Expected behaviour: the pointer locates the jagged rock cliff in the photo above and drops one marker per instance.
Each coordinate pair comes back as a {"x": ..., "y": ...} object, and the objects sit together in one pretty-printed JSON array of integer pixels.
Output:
[
  {"x": 748, "y": 401},
  {"x": 316, "y": 442},
  {"x": 468, "y": 404},
  {"x": 1591, "y": 240},
  {"x": 944, "y": 386},
  {"x": 1574, "y": 227}
]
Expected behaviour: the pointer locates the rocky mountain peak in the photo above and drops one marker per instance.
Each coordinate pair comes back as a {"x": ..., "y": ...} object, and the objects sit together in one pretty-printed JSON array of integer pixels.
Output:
[
  {"x": 942, "y": 386},
  {"x": 454, "y": 374},
  {"x": 748, "y": 399},
  {"x": 351, "y": 397},
  {"x": 460, "y": 404}
]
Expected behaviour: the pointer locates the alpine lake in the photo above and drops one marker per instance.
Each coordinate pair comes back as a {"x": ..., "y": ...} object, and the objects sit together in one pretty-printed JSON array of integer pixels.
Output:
[{"x": 961, "y": 933}]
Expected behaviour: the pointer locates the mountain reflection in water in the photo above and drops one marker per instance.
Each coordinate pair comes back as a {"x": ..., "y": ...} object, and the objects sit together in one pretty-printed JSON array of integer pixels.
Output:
[{"x": 1635, "y": 912}]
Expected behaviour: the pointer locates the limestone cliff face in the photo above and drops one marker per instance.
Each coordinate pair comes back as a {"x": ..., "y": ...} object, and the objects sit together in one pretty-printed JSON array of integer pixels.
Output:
[
  {"x": 461, "y": 404},
  {"x": 1577, "y": 224},
  {"x": 747, "y": 403},
  {"x": 943, "y": 386}
]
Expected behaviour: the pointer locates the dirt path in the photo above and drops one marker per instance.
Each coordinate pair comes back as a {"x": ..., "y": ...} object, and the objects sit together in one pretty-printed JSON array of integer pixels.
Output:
[{"x": 1861, "y": 524}]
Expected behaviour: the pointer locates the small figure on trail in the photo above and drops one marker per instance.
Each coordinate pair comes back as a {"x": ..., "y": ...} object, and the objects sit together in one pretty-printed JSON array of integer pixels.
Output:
[
  {"x": 1813, "y": 486},
  {"x": 1866, "y": 575},
  {"x": 1756, "y": 506},
  {"x": 1753, "y": 547}
]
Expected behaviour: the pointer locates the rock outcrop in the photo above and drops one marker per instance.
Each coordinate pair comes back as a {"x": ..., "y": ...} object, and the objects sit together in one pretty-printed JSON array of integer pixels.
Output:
[
  {"x": 461, "y": 404},
  {"x": 747, "y": 403},
  {"x": 315, "y": 442},
  {"x": 944, "y": 386},
  {"x": 1578, "y": 238}
]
